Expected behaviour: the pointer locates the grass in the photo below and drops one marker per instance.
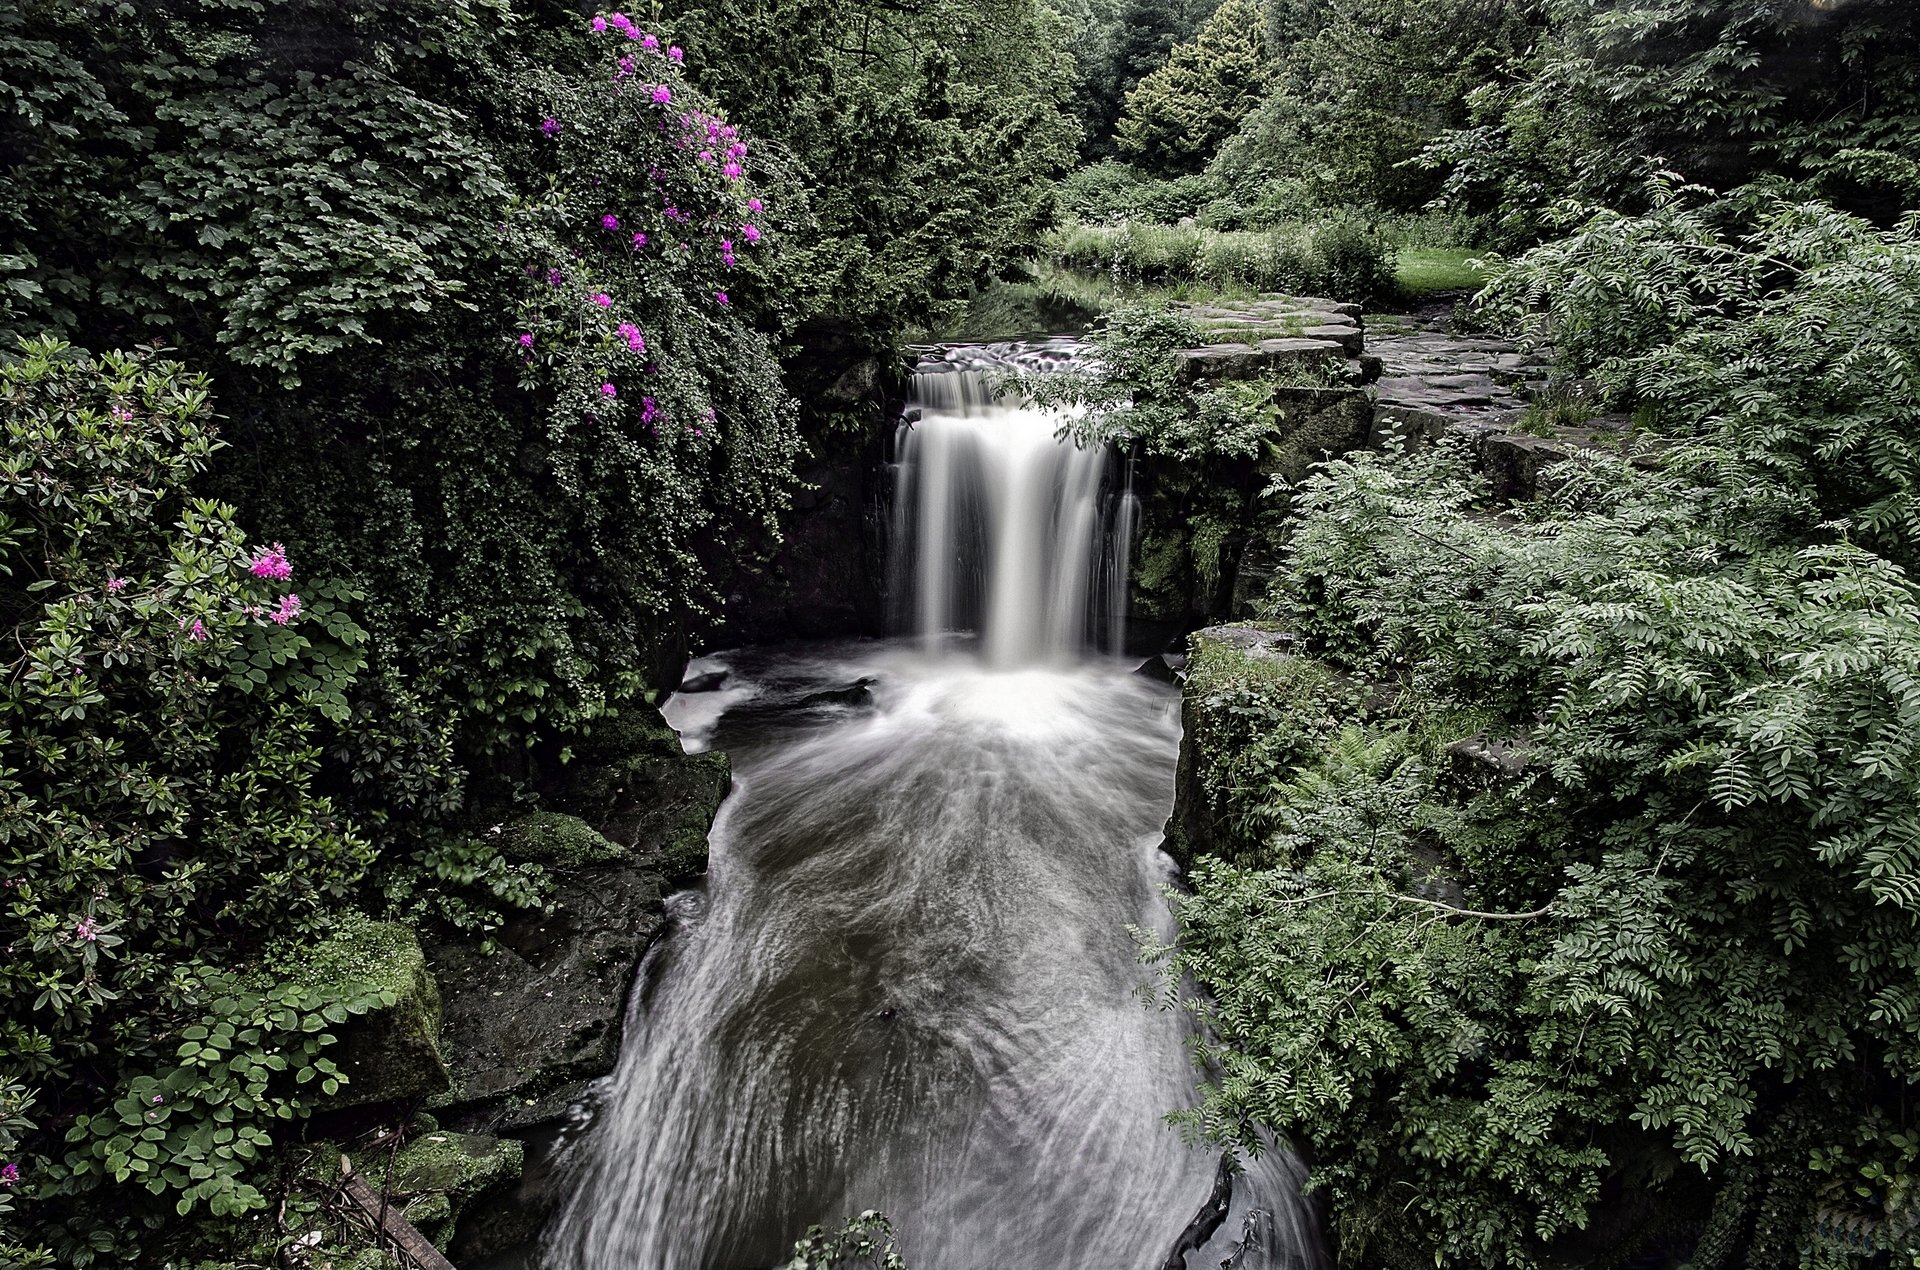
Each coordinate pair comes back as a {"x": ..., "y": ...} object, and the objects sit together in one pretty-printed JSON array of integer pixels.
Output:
[
  {"x": 1424, "y": 271},
  {"x": 1339, "y": 257}
]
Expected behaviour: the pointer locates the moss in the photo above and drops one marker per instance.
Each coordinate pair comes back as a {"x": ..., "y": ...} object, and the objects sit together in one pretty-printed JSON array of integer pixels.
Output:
[
  {"x": 1252, "y": 711},
  {"x": 440, "y": 1177},
  {"x": 387, "y": 1054},
  {"x": 558, "y": 841}
]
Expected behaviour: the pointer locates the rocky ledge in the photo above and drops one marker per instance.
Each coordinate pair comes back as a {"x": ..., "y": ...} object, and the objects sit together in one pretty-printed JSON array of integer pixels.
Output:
[{"x": 1275, "y": 335}]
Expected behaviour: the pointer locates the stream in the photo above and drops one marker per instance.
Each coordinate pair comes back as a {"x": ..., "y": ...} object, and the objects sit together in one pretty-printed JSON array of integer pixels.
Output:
[{"x": 910, "y": 982}]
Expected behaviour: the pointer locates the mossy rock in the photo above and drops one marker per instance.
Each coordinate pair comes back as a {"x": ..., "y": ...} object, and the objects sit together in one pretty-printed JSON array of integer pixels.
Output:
[
  {"x": 440, "y": 1178},
  {"x": 530, "y": 1024},
  {"x": 1248, "y": 693},
  {"x": 390, "y": 1054},
  {"x": 558, "y": 841}
]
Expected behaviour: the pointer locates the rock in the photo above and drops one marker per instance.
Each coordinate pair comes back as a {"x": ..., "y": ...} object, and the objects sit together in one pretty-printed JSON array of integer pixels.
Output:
[
  {"x": 1156, "y": 669},
  {"x": 860, "y": 380},
  {"x": 526, "y": 1027},
  {"x": 712, "y": 681},
  {"x": 1244, "y": 682},
  {"x": 859, "y": 693},
  {"x": 391, "y": 1054},
  {"x": 448, "y": 1185},
  {"x": 558, "y": 841}
]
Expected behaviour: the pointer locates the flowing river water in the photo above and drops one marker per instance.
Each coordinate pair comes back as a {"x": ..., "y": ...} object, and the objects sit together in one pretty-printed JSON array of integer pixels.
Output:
[{"x": 910, "y": 981}]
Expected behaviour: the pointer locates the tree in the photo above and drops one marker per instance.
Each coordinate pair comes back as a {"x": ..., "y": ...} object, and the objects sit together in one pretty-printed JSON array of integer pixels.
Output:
[
  {"x": 1572, "y": 888},
  {"x": 1176, "y": 117},
  {"x": 1718, "y": 91}
]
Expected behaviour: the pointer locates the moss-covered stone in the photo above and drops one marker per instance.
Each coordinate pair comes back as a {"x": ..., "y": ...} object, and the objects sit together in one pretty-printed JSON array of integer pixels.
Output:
[
  {"x": 1251, "y": 708},
  {"x": 527, "y": 1026},
  {"x": 440, "y": 1179},
  {"x": 390, "y": 1054},
  {"x": 1211, "y": 532},
  {"x": 558, "y": 841}
]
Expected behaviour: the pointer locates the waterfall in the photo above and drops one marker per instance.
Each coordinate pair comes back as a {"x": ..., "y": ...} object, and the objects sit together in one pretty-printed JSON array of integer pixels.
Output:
[
  {"x": 1002, "y": 527},
  {"x": 908, "y": 983}
]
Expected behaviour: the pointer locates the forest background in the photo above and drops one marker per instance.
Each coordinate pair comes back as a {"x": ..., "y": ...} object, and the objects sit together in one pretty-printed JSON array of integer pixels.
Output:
[{"x": 398, "y": 389}]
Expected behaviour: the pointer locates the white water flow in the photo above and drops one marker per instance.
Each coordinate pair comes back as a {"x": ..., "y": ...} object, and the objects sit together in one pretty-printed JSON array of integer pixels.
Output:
[{"x": 908, "y": 983}]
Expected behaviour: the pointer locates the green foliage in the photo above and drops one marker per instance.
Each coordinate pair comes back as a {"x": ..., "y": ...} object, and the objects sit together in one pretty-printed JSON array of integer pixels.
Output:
[
  {"x": 1131, "y": 389},
  {"x": 1176, "y": 117},
  {"x": 1786, "y": 332},
  {"x": 1721, "y": 92},
  {"x": 1359, "y": 89},
  {"x": 919, "y": 143},
  {"x": 1115, "y": 44},
  {"x": 865, "y": 1240},
  {"x": 1610, "y": 888},
  {"x": 1108, "y": 192},
  {"x": 1338, "y": 257},
  {"x": 1424, "y": 271},
  {"x": 161, "y": 734}
]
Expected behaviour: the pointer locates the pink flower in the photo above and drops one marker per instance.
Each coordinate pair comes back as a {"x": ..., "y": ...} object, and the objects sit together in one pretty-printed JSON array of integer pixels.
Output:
[
  {"x": 599, "y": 23},
  {"x": 609, "y": 221},
  {"x": 650, "y": 42},
  {"x": 602, "y": 299},
  {"x": 620, "y": 20},
  {"x": 663, "y": 94},
  {"x": 721, "y": 296},
  {"x": 750, "y": 232},
  {"x": 198, "y": 631},
  {"x": 734, "y": 171},
  {"x": 86, "y": 929},
  {"x": 288, "y": 610},
  {"x": 608, "y": 390},
  {"x": 9, "y": 1174},
  {"x": 549, "y": 125},
  {"x": 675, "y": 55},
  {"x": 626, "y": 69},
  {"x": 633, "y": 33},
  {"x": 631, "y": 333},
  {"x": 755, "y": 205},
  {"x": 271, "y": 563},
  {"x": 526, "y": 339},
  {"x": 706, "y": 156},
  {"x": 647, "y": 410},
  {"x": 553, "y": 277},
  {"x": 639, "y": 240},
  {"x": 116, "y": 585}
]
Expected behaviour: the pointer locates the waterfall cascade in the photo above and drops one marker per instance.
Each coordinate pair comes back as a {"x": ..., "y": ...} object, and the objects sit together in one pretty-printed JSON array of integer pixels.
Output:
[
  {"x": 907, "y": 984},
  {"x": 1008, "y": 529}
]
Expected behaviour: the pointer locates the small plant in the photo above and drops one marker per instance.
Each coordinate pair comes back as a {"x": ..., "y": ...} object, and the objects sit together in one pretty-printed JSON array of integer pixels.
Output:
[{"x": 865, "y": 1240}]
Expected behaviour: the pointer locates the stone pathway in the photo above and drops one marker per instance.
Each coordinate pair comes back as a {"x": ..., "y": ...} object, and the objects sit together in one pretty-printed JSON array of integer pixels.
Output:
[{"x": 1275, "y": 334}]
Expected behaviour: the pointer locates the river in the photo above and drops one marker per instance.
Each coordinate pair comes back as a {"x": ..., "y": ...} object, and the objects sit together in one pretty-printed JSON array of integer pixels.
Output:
[{"x": 910, "y": 981}]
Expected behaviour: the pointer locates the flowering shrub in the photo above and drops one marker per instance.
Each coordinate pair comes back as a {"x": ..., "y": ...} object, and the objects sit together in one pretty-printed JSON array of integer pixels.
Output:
[
  {"x": 161, "y": 724},
  {"x": 662, "y": 409}
]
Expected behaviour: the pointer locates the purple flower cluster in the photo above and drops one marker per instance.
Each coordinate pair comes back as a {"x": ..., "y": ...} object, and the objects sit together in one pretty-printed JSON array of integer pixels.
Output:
[
  {"x": 271, "y": 563},
  {"x": 635, "y": 340},
  {"x": 288, "y": 610}
]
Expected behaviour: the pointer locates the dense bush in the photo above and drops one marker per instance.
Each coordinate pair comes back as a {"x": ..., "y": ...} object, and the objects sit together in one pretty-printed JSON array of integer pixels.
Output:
[
  {"x": 1721, "y": 92},
  {"x": 1104, "y": 193},
  {"x": 162, "y": 723},
  {"x": 1338, "y": 257},
  {"x": 1609, "y": 888},
  {"x": 1177, "y": 117}
]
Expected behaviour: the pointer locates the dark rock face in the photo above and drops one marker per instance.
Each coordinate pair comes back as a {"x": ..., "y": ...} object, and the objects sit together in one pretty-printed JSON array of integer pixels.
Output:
[
  {"x": 1241, "y": 681},
  {"x": 1210, "y": 537},
  {"x": 525, "y": 1028},
  {"x": 824, "y": 581}
]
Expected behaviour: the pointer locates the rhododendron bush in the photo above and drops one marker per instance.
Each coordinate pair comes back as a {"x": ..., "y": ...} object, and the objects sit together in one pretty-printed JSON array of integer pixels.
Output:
[{"x": 164, "y": 700}]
